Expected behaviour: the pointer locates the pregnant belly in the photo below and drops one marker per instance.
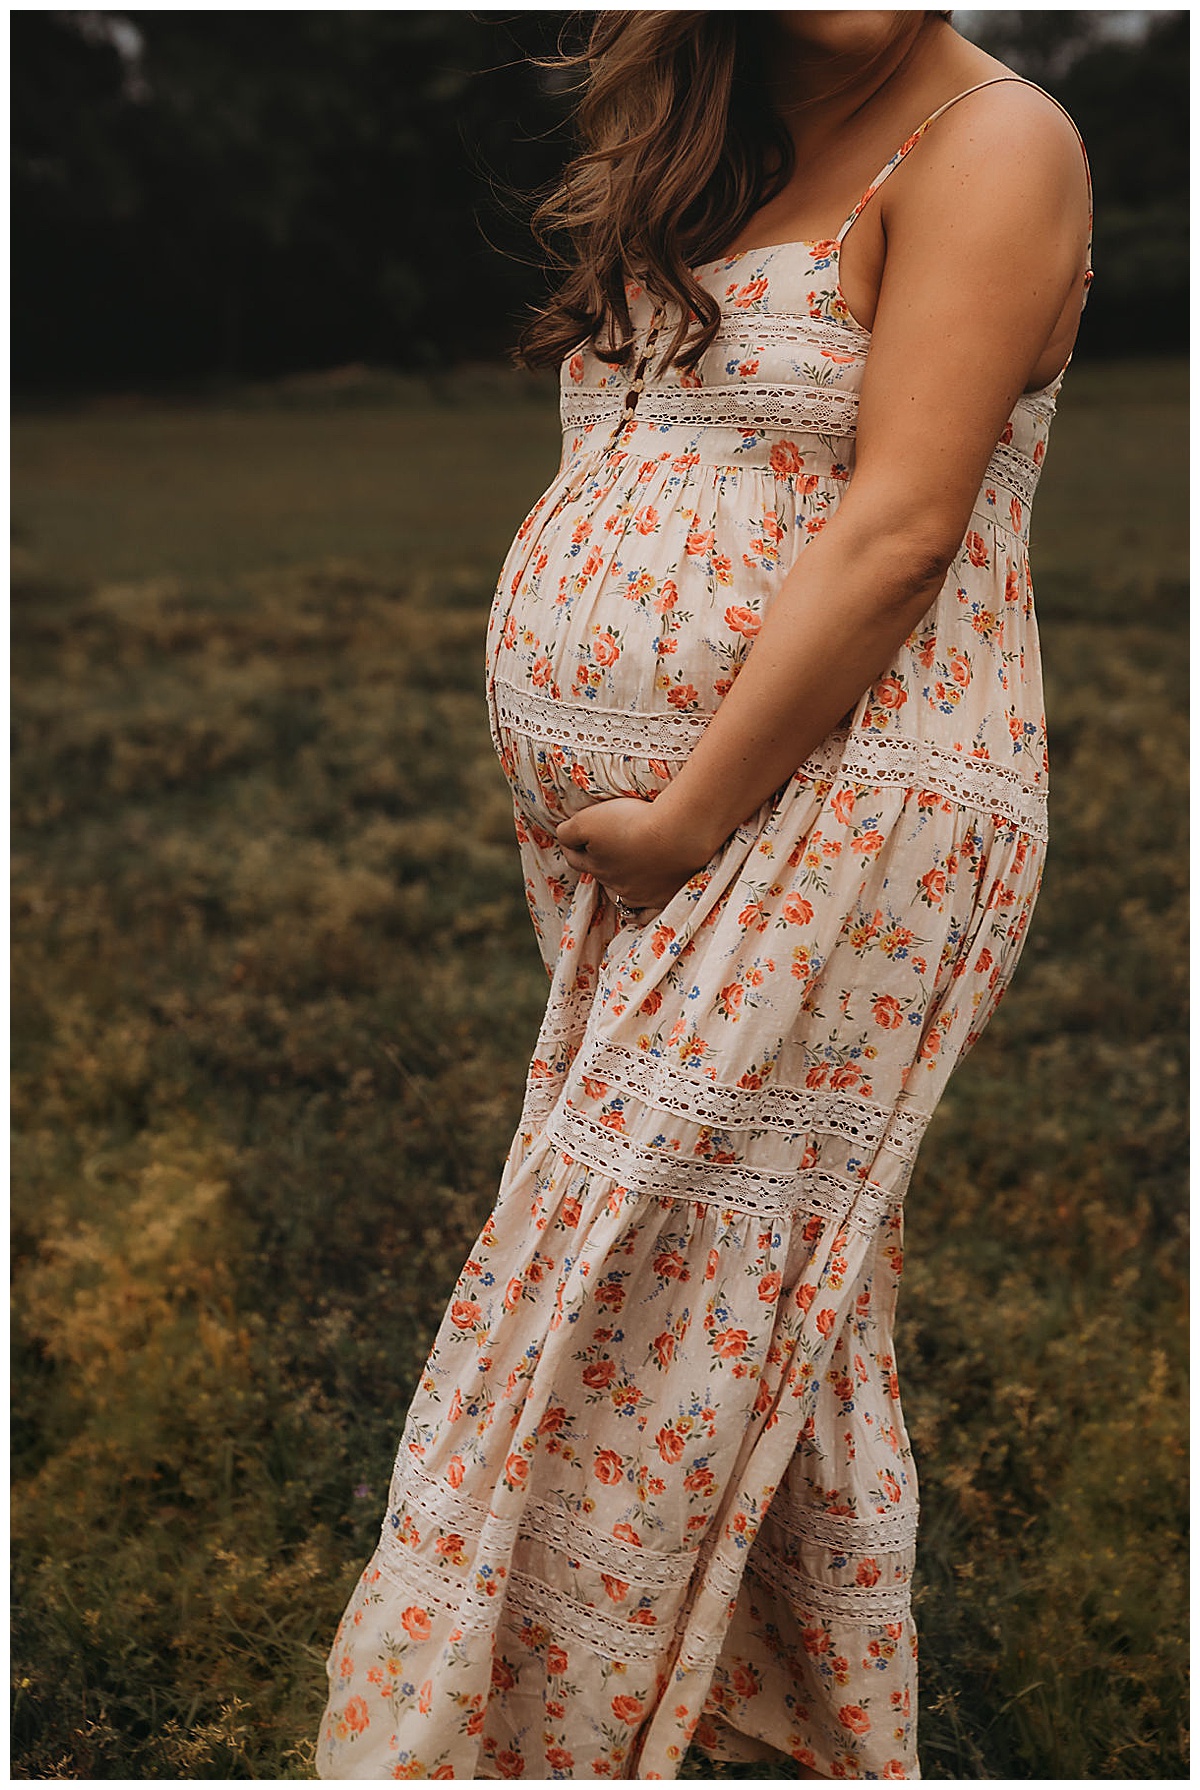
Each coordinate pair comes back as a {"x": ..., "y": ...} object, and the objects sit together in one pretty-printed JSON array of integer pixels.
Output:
[
  {"x": 646, "y": 592},
  {"x": 621, "y": 619},
  {"x": 554, "y": 776}
]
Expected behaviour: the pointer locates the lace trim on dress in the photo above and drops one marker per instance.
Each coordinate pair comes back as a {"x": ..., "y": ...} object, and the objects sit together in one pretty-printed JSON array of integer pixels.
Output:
[
  {"x": 904, "y": 1131},
  {"x": 978, "y": 783},
  {"x": 851, "y": 1536},
  {"x": 724, "y": 1576},
  {"x": 559, "y": 1529},
  {"x": 796, "y": 409},
  {"x": 434, "y": 1587},
  {"x": 741, "y": 331},
  {"x": 1014, "y": 470},
  {"x": 541, "y": 1097},
  {"x": 527, "y": 1595},
  {"x": 566, "y": 1018},
  {"x": 563, "y": 1530},
  {"x": 593, "y": 729},
  {"x": 563, "y": 1026},
  {"x": 524, "y": 1596},
  {"x": 643, "y": 1169},
  {"x": 635, "y": 1565},
  {"x": 867, "y": 759},
  {"x": 849, "y": 1603},
  {"x": 794, "y": 1111},
  {"x": 805, "y": 409},
  {"x": 612, "y": 1636}
]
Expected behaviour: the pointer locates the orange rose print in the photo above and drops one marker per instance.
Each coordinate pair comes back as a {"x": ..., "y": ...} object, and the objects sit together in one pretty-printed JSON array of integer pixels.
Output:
[{"x": 669, "y": 1358}]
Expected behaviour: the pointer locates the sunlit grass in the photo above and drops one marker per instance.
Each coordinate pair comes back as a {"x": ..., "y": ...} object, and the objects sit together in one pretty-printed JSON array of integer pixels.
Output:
[{"x": 274, "y": 992}]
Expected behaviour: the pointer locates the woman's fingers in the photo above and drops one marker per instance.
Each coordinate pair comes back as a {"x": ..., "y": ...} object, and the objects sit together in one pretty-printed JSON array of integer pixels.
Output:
[{"x": 617, "y": 843}]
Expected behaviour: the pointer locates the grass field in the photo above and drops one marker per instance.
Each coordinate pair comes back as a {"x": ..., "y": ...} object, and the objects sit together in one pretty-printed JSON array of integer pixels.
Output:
[{"x": 274, "y": 992}]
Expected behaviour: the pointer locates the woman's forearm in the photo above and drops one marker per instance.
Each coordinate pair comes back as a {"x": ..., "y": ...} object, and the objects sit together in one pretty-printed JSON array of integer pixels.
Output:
[{"x": 853, "y": 596}]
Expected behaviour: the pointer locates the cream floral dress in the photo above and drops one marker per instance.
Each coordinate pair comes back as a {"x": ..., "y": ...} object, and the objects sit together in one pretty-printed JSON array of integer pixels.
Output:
[{"x": 655, "y": 1485}]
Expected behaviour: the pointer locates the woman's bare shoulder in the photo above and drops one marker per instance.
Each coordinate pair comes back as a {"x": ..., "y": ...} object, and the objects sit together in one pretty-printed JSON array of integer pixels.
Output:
[
  {"x": 1005, "y": 112},
  {"x": 1007, "y": 137}
]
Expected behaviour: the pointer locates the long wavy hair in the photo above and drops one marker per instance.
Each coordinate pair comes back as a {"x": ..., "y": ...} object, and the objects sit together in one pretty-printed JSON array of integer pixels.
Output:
[{"x": 680, "y": 145}]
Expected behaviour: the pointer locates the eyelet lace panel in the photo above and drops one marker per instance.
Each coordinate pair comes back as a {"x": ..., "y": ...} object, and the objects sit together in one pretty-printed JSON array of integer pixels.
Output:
[
  {"x": 698, "y": 1657},
  {"x": 742, "y": 330},
  {"x": 593, "y": 729},
  {"x": 569, "y": 1534},
  {"x": 1043, "y": 409},
  {"x": 637, "y": 1566},
  {"x": 1014, "y": 470},
  {"x": 792, "y": 1110},
  {"x": 869, "y": 759},
  {"x": 436, "y": 1501},
  {"x": 869, "y": 1604},
  {"x": 744, "y": 404},
  {"x": 904, "y": 1131},
  {"x": 978, "y": 783},
  {"x": 563, "y": 1026},
  {"x": 608, "y": 1635},
  {"x": 851, "y": 1536},
  {"x": 437, "y": 1586},
  {"x": 642, "y": 1169},
  {"x": 800, "y": 409},
  {"x": 541, "y": 1097},
  {"x": 565, "y": 1018},
  {"x": 526, "y": 1594},
  {"x": 559, "y": 1529},
  {"x": 864, "y": 1606}
]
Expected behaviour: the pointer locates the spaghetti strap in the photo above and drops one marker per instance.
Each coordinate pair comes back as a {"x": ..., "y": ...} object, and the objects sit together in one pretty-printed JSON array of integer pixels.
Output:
[
  {"x": 722, "y": 1553},
  {"x": 916, "y": 136}
]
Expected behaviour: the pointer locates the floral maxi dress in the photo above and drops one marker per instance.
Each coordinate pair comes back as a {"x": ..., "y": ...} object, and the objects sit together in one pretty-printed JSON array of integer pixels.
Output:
[{"x": 655, "y": 1485}]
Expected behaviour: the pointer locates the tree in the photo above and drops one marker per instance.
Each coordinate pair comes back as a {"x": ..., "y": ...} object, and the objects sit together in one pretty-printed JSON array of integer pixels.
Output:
[
  {"x": 201, "y": 194},
  {"x": 1124, "y": 79}
]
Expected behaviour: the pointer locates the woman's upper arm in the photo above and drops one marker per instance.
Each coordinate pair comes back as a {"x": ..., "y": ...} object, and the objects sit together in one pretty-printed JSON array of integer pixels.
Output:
[{"x": 984, "y": 246}]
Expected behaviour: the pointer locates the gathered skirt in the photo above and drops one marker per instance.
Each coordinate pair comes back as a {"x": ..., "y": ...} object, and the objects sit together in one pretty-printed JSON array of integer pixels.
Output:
[{"x": 655, "y": 1486}]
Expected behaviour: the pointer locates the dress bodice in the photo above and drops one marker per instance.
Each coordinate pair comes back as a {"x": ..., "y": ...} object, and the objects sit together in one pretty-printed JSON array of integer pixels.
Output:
[{"x": 778, "y": 388}]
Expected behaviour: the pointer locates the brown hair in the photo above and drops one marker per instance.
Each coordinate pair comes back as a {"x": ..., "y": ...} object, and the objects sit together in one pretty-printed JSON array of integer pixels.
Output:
[{"x": 680, "y": 146}]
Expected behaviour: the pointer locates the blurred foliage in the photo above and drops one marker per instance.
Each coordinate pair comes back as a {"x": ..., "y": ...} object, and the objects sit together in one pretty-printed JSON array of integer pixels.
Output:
[
  {"x": 204, "y": 195},
  {"x": 1130, "y": 99},
  {"x": 223, "y": 193},
  {"x": 274, "y": 990}
]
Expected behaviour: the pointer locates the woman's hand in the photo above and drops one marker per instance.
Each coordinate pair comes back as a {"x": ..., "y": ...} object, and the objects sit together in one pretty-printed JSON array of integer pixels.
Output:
[{"x": 638, "y": 857}]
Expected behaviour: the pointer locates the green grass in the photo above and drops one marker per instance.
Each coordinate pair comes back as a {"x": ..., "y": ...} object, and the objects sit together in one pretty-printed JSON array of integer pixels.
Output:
[
  {"x": 384, "y": 473},
  {"x": 274, "y": 991}
]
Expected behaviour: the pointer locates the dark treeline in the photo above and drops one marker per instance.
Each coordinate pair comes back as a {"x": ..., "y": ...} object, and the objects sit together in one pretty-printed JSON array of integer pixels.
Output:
[{"x": 218, "y": 195}]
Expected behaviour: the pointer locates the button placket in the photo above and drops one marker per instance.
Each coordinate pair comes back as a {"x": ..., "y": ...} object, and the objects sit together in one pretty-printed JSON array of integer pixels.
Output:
[
  {"x": 638, "y": 383},
  {"x": 636, "y": 387}
]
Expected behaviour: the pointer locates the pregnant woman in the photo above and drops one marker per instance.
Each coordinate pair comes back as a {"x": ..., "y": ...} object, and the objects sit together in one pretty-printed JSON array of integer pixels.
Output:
[{"x": 763, "y": 673}]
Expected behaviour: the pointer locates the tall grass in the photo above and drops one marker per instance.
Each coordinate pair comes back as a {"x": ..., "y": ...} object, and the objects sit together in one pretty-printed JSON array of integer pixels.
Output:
[{"x": 274, "y": 991}]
